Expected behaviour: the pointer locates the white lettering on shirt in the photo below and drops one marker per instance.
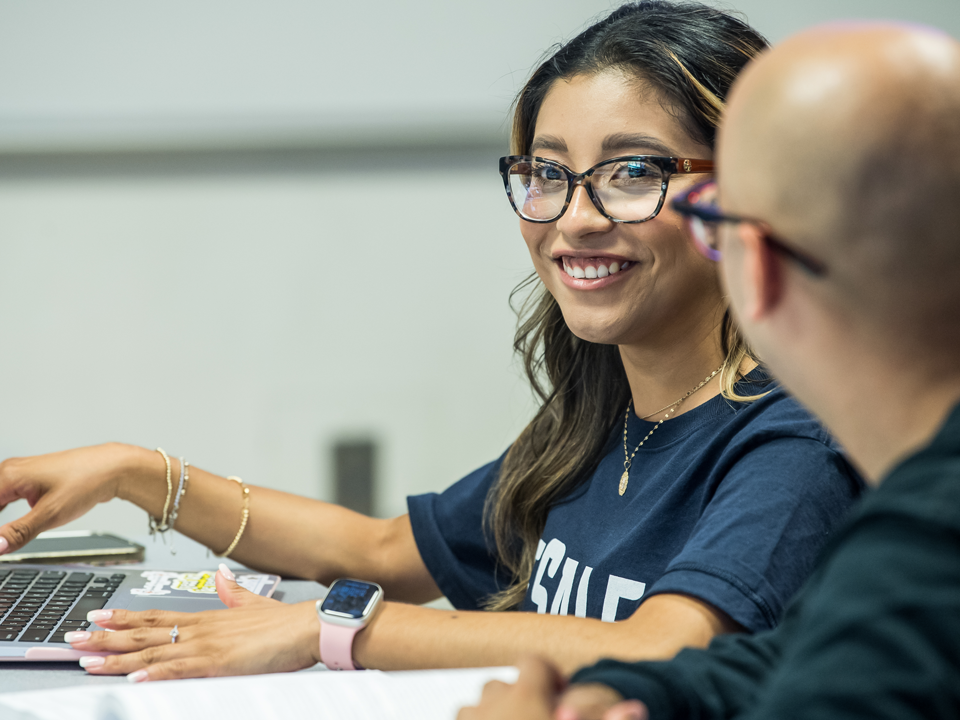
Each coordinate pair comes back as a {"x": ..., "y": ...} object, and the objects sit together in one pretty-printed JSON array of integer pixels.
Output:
[
  {"x": 550, "y": 556},
  {"x": 582, "y": 589},
  {"x": 561, "y": 601},
  {"x": 619, "y": 588},
  {"x": 549, "y": 560}
]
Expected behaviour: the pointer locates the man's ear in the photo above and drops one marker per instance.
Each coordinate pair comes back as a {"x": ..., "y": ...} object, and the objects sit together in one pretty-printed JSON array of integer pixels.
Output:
[{"x": 763, "y": 273}]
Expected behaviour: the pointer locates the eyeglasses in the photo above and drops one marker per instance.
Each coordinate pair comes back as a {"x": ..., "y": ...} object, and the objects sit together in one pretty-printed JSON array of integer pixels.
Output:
[
  {"x": 698, "y": 206},
  {"x": 628, "y": 189}
]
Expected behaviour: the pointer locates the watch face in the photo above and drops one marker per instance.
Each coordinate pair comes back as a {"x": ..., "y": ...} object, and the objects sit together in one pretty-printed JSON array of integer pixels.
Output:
[{"x": 349, "y": 598}]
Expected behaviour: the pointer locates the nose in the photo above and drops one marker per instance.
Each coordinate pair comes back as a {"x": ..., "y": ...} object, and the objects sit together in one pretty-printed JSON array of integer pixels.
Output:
[{"x": 582, "y": 217}]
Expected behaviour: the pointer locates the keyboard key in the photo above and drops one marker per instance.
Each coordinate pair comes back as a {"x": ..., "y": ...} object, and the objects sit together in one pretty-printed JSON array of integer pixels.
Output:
[
  {"x": 9, "y": 633},
  {"x": 34, "y": 635},
  {"x": 79, "y": 577},
  {"x": 84, "y": 606}
]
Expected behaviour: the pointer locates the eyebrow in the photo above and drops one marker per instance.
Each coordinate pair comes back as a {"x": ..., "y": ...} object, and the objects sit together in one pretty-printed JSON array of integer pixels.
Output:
[
  {"x": 612, "y": 144},
  {"x": 548, "y": 142},
  {"x": 620, "y": 142}
]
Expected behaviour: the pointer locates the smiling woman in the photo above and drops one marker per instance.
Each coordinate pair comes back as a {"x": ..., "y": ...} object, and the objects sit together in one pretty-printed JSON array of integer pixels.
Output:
[{"x": 702, "y": 515}]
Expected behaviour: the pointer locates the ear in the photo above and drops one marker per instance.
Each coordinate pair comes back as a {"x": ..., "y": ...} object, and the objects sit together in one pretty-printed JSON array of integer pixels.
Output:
[{"x": 763, "y": 273}]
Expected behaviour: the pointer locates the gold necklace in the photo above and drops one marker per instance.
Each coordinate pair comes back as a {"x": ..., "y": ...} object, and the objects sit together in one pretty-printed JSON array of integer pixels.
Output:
[{"x": 628, "y": 459}]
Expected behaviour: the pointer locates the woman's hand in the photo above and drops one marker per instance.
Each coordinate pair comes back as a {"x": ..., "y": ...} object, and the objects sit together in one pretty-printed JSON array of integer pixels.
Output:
[
  {"x": 61, "y": 487},
  {"x": 256, "y": 635},
  {"x": 539, "y": 694}
]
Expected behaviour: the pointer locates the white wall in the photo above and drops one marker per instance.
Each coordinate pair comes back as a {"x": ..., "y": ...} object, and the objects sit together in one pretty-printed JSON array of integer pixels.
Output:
[
  {"x": 113, "y": 73},
  {"x": 247, "y": 322}
]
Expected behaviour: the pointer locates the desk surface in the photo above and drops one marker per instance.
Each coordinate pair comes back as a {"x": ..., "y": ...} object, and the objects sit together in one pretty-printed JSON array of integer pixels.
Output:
[{"x": 189, "y": 556}]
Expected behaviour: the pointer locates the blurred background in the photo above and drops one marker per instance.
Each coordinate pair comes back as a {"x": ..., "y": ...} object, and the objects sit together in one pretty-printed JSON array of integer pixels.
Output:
[{"x": 271, "y": 237}]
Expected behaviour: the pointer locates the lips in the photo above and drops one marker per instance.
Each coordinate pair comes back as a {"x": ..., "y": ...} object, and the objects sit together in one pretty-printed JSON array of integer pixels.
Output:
[{"x": 592, "y": 268}]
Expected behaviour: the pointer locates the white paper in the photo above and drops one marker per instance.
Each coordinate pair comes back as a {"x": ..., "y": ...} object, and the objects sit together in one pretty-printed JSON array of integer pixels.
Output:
[{"x": 368, "y": 695}]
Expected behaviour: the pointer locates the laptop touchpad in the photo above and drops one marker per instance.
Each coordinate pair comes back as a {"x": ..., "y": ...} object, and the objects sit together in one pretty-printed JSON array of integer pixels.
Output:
[{"x": 175, "y": 604}]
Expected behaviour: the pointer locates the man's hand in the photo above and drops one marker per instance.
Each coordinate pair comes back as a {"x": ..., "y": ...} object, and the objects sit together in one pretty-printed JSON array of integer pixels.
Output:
[
  {"x": 537, "y": 696},
  {"x": 598, "y": 702},
  {"x": 532, "y": 697}
]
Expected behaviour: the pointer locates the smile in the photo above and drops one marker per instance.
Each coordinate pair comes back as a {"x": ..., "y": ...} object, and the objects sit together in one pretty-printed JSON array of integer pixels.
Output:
[
  {"x": 592, "y": 268},
  {"x": 591, "y": 273}
]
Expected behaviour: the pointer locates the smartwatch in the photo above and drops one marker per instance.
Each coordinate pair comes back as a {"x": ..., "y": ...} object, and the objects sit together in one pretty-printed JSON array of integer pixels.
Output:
[{"x": 346, "y": 610}]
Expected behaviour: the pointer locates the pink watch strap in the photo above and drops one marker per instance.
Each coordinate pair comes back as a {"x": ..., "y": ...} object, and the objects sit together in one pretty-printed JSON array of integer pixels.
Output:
[{"x": 336, "y": 646}]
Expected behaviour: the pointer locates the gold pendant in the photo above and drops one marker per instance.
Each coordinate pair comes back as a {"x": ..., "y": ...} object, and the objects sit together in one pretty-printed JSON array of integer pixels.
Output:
[{"x": 624, "y": 479}]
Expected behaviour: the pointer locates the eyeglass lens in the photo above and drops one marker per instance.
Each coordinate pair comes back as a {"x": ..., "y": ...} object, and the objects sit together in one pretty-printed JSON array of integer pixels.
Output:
[{"x": 627, "y": 190}]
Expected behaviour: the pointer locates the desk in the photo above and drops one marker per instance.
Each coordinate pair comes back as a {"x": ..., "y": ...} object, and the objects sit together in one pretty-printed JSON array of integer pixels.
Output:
[{"x": 189, "y": 556}]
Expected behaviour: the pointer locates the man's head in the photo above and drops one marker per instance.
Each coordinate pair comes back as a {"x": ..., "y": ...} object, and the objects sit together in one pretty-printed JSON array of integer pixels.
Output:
[{"x": 846, "y": 140}]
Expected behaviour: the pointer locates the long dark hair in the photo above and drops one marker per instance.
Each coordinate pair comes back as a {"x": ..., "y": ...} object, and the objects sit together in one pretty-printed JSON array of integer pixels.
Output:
[{"x": 690, "y": 54}]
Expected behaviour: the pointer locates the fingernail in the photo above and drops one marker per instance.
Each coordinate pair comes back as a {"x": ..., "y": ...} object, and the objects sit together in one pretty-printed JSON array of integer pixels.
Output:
[
  {"x": 72, "y": 637},
  {"x": 3, "y": 545},
  {"x": 227, "y": 573},
  {"x": 138, "y": 676},
  {"x": 96, "y": 616},
  {"x": 92, "y": 661}
]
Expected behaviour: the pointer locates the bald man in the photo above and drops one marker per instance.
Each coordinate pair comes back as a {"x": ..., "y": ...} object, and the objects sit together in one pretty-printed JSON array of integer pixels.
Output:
[{"x": 842, "y": 147}]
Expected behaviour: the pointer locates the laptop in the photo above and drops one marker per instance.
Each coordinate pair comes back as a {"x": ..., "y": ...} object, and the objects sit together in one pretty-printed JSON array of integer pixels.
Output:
[{"x": 40, "y": 603}]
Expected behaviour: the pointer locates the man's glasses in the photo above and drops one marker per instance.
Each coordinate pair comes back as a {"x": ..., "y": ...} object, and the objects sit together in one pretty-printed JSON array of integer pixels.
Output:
[
  {"x": 627, "y": 189},
  {"x": 698, "y": 206}
]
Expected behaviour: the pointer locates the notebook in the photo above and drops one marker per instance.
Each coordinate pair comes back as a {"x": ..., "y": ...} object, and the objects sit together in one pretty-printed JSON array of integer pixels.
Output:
[{"x": 39, "y": 603}]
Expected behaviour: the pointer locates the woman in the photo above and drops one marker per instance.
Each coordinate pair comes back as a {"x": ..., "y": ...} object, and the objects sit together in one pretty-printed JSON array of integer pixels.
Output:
[{"x": 662, "y": 482}]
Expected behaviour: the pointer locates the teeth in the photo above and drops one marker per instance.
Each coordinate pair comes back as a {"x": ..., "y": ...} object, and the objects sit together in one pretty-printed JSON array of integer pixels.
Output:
[{"x": 591, "y": 273}]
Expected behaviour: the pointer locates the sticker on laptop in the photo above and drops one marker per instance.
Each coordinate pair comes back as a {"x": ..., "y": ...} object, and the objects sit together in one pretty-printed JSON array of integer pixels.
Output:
[{"x": 159, "y": 582}]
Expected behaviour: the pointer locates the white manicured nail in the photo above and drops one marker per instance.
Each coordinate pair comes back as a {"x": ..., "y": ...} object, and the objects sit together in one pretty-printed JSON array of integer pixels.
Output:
[
  {"x": 96, "y": 616},
  {"x": 227, "y": 573},
  {"x": 138, "y": 676},
  {"x": 92, "y": 661}
]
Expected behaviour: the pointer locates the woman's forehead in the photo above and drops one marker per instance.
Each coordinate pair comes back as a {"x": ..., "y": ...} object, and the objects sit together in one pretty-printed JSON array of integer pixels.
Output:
[{"x": 609, "y": 113}]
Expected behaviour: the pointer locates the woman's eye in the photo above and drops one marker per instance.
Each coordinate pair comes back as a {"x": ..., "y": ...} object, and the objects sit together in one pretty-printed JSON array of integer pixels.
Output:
[
  {"x": 549, "y": 179},
  {"x": 631, "y": 171},
  {"x": 548, "y": 172}
]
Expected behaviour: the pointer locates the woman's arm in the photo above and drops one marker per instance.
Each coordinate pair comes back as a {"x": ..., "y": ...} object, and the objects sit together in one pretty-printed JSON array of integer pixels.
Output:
[
  {"x": 263, "y": 636},
  {"x": 410, "y": 637},
  {"x": 286, "y": 534}
]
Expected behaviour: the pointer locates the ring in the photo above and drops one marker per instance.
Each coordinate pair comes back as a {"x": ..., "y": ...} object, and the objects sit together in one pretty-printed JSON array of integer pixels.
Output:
[{"x": 174, "y": 634}]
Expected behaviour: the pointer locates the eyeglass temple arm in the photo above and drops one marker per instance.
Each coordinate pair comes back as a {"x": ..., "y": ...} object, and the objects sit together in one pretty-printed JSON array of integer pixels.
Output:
[{"x": 690, "y": 165}]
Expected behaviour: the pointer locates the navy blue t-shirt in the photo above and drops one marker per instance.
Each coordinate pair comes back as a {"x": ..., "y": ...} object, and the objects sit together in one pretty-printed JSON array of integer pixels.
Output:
[{"x": 729, "y": 502}]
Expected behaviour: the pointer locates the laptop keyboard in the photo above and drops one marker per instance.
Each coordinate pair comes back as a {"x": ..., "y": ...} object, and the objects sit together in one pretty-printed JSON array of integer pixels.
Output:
[{"x": 38, "y": 605}]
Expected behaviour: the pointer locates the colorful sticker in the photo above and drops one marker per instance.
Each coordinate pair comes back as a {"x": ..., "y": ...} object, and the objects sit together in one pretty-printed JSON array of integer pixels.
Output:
[{"x": 159, "y": 582}]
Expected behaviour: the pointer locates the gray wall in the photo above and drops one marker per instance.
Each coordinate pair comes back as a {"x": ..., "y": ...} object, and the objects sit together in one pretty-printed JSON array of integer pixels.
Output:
[{"x": 243, "y": 231}]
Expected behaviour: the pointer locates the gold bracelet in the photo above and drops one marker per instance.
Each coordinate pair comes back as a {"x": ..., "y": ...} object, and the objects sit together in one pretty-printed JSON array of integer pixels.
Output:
[
  {"x": 161, "y": 525},
  {"x": 243, "y": 517}
]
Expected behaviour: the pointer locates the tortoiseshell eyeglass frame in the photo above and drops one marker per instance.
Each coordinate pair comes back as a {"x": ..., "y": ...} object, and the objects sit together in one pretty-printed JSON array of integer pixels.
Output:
[{"x": 668, "y": 166}]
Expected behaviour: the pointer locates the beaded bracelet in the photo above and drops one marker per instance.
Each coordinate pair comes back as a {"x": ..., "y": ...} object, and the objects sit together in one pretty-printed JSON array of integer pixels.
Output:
[
  {"x": 181, "y": 489},
  {"x": 161, "y": 525},
  {"x": 243, "y": 518}
]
